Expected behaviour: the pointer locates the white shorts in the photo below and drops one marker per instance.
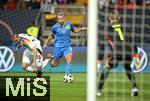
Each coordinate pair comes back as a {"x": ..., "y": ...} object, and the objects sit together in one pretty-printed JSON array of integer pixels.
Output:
[{"x": 28, "y": 57}]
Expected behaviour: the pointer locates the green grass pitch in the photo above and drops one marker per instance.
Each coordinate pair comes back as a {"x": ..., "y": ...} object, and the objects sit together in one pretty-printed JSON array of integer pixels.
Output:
[{"x": 117, "y": 87}]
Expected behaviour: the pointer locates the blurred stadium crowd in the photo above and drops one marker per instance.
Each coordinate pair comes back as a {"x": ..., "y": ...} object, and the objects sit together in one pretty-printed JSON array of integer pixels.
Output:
[
  {"x": 131, "y": 4},
  {"x": 34, "y": 4}
]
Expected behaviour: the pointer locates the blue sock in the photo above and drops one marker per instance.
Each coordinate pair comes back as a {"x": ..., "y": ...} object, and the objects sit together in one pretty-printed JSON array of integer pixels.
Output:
[{"x": 68, "y": 68}]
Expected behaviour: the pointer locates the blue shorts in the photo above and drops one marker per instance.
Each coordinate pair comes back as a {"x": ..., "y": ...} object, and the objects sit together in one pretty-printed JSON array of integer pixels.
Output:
[{"x": 59, "y": 52}]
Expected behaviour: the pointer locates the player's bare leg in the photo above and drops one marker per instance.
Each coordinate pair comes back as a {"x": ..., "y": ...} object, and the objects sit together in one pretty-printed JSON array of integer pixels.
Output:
[
  {"x": 68, "y": 58},
  {"x": 45, "y": 62},
  {"x": 27, "y": 67},
  {"x": 54, "y": 63},
  {"x": 109, "y": 58},
  {"x": 104, "y": 75},
  {"x": 131, "y": 77}
]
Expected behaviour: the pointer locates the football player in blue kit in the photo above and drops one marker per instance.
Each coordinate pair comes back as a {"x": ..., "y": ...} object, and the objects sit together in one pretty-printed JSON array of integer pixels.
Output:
[{"x": 62, "y": 46}]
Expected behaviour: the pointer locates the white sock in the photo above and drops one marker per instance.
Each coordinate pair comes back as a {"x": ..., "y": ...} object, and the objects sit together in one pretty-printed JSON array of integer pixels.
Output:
[
  {"x": 30, "y": 69},
  {"x": 45, "y": 62}
]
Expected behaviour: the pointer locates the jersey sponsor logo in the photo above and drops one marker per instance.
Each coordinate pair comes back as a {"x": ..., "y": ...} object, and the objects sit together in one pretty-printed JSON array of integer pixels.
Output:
[
  {"x": 7, "y": 59},
  {"x": 142, "y": 63},
  {"x": 68, "y": 27}
]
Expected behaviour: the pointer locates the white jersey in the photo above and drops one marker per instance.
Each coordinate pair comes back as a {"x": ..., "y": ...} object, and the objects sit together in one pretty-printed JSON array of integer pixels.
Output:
[{"x": 30, "y": 42}]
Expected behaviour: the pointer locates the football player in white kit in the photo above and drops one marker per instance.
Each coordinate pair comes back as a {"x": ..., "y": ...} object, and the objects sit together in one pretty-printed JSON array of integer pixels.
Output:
[{"x": 32, "y": 54}]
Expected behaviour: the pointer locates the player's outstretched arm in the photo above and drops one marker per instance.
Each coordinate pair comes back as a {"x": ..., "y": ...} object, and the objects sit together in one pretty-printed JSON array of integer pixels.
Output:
[
  {"x": 77, "y": 30},
  {"x": 48, "y": 40},
  {"x": 17, "y": 48}
]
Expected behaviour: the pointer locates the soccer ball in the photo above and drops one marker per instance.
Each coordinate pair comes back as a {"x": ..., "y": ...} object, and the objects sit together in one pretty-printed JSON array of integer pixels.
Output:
[
  {"x": 65, "y": 78},
  {"x": 68, "y": 78}
]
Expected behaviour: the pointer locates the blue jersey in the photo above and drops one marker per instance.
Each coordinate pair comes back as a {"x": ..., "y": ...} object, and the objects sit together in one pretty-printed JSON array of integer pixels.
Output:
[{"x": 62, "y": 34}]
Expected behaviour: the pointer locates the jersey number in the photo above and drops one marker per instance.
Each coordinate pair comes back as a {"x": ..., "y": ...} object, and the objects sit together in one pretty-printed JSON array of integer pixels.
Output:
[{"x": 117, "y": 28}]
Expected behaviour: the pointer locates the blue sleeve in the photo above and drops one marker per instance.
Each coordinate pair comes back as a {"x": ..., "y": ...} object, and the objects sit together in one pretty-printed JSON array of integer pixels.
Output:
[{"x": 72, "y": 26}]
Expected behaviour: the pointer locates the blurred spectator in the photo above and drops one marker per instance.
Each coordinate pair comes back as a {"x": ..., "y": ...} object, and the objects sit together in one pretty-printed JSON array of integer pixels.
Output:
[
  {"x": 65, "y": 1},
  {"x": 103, "y": 3},
  {"x": 139, "y": 2},
  {"x": 131, "y": 4},
  {"x": 2, "y": 3},
  {"x": 21, "y": 4},
  {"x": 71, "y": 1},
  {"x": 147, "y": 2},
  {"x": 113, "y": 2},
  {"x": 61, "y": 1},
  {"x": 120, "y": 4},
  {"x": 49, "y": 1},
  {"x": 11, "y": 4},
  {"x": 34, "y": 4}
]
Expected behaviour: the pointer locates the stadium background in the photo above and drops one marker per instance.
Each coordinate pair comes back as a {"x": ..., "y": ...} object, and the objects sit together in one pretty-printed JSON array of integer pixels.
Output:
[
  {"x": 44, "y": 17},
  {"x": 133, "y": 20}
]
